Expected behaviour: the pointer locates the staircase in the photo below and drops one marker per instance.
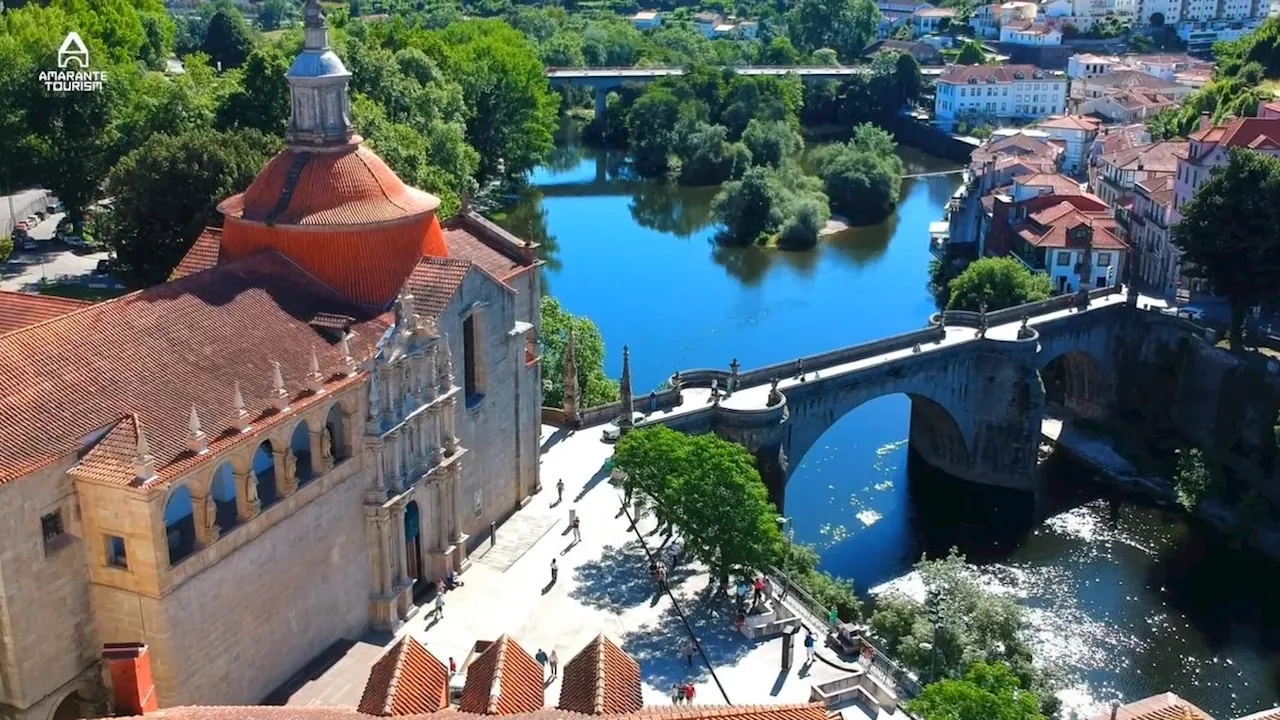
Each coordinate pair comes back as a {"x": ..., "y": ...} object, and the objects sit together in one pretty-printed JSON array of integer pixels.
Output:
[{"x": 290, "y": 182}]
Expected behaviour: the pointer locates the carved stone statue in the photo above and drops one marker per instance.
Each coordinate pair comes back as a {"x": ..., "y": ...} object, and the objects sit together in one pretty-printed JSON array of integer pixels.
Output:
[
  {"x": 775, "y": 396},
  {"x": 675, "y": 381},
  {"x": 326, "y": 445},
  {"x": 375, "y": 397},
  {"x": 207, "y": 530},
  {"x": 289, "y": 466}
]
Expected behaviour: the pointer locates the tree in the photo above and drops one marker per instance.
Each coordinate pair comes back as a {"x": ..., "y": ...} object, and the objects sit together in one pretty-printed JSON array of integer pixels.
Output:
[
  {"x": 261, "y": 100},
  {"x": 747, "y": 208},
  {"x": 971, "y": 53},
  {"x": 769, "y": 201},
  {"x": 1230, "y": 234},
  {"x": 709, "y": 488},
  {"x": 166, "y": 193},
  {"x": 780, "y": 51},
  {"x": 987, "y": 692},
  {"x": 6, "y": 248},
  {"x": 1191, "y": 479},
  {"x": 1000, "y": 282},
  {"x": 271, "y": 13},
  {"x": 771, "y": 143},
  {"x": 595, "y": 387},
  {"x": 1157, "y": 19},
  {"x": 841, "y": 25},
  {"x": 227, "y": 40},
  {"x": 863, "y": 177},
  {"x": 1141, "y": 43},
  {"x": 511, "y": 109}
]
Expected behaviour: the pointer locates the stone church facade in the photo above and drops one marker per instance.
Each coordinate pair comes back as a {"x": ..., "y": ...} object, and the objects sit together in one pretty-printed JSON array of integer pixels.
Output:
[{"x": 321, "y": 412}]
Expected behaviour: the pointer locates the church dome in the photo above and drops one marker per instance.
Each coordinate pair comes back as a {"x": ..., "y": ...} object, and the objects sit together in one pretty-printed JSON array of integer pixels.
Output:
[{"x": 348, "y": 186}]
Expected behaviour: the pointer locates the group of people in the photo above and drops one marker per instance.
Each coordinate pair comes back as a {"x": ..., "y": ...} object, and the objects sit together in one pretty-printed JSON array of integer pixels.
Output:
[
  {"x": 761, "y": 588},
  {"x": 682, "y": 693},
  {"x": 552, "y": 660},
  {"x": 451, "y": 582},
  {"x": 658, "y": 573}
]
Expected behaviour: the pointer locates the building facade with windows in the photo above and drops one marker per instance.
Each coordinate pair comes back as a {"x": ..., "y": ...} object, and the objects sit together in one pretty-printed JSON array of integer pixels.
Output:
[
  {"x": 323, "y": 410},
  {"x": 985, "y": 93}
]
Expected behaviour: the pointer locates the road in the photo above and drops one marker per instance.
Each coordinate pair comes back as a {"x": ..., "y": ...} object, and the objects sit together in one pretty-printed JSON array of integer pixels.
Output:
[{"x": 51, "y": 260}]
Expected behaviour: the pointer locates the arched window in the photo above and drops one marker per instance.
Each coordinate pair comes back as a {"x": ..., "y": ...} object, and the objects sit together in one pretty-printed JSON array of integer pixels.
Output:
[
  {"x": 180, "y": 525},
  {"x": 264, "y": 469},
  {"x": 300, "y": 444},
  {"x": 223, "y": 492},
  {"x": 333, "y": 424}
]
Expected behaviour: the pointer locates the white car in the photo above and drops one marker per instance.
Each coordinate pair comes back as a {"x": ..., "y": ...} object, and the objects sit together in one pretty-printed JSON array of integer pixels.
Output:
[{"x": 612, "y": 431}]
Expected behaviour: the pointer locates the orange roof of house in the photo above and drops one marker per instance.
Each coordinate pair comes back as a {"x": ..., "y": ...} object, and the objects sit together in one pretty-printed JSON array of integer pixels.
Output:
[
  {"x": 19, "y": 310},
  {"x": 350, "y": 186},
  {"x": 1060, "y": 184},
  {"x": 1050, "y": 228},
  {"x": 504, "y": 680},
  {"x": 1157, "y": 157},
  {"x": 407, "y": 680},
  {"x": 601, "y": 680},
  {"x": 1241, "y": 132},
  {"x": 797, "y": 711},
  {"x": 202, "y": 255},
  {"x": 1165, "y": 706},
  {"x": 1071, "y": 122},
  {"x": 159, "y": 351}
]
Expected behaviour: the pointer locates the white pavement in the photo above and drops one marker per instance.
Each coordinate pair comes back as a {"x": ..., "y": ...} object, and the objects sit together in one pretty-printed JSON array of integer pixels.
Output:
[
  {"x": 24, "y": 271},
  {"x": 603, "y": 586}
]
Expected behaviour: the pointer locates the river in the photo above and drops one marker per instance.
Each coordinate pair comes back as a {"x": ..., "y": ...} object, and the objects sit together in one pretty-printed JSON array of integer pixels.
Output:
[{"x": 1128, "y": 600}]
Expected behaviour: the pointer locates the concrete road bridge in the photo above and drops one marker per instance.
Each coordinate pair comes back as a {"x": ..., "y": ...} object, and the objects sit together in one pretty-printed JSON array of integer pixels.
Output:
[
  {"x": 602, "y": 80},
  {"x": 978, "y": 384}
]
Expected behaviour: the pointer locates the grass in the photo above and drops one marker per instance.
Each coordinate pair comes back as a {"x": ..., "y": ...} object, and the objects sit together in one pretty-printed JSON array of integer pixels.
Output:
[{"x": 76, "y": 291}]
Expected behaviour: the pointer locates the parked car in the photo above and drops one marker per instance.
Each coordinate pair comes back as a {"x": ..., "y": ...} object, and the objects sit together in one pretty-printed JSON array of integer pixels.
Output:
[
  {"x": 613, "y": 431},
  {"x": 104, "y": 267},
  {"x": 75, "y": 242}
]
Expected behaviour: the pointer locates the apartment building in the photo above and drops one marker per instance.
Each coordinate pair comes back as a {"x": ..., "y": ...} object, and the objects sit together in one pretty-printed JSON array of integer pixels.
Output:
[
  {"x": 1070, "y": 238},
  {"x": 987, "y": 93},
  {"x": 1076, "y": 133},
  {"x": 1129, "y": 105},
  {"x": 1155, "y": 257},
  {"x": 1115, "y": 175},
  {"x": 1086, "y": 88}
]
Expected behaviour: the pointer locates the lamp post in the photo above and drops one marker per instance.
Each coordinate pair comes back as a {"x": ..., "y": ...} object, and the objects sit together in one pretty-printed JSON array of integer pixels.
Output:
[{"x": 787, "y": 529}]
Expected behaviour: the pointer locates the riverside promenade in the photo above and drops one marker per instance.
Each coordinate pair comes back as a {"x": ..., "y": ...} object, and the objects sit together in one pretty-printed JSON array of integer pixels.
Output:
[{"x": 603, "y": 586}]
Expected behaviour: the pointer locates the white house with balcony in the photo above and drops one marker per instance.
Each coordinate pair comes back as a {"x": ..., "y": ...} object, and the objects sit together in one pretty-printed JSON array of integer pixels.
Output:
[
  {"x": 986, "y": 93},
  {"x": 647, "y": 20}
]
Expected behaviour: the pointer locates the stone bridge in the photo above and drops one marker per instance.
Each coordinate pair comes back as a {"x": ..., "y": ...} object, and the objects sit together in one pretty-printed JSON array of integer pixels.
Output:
[
  {"x": 602, "y": 80},
  {"x": 979, "y": 386}
]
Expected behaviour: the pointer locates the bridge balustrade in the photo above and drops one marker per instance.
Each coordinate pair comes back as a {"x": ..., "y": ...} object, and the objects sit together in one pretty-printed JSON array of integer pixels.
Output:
[{"x": 841, "y": 356}]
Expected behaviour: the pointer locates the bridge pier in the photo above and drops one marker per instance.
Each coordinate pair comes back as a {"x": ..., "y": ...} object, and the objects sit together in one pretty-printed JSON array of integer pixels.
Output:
[{"x": 602, "y": 101}]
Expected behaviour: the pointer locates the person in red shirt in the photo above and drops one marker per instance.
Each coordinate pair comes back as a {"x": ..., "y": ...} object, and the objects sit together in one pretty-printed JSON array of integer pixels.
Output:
[{"x": 688, "y": 692}]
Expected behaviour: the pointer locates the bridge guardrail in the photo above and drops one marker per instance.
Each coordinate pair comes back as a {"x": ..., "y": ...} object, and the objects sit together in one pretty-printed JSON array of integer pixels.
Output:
[
  {"x": 841, "y": 356},
  {"x": 968, "y": 318}
]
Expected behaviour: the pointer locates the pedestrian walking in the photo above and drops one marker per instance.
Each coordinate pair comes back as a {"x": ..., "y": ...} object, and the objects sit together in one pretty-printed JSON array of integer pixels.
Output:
[
  {"x": 559, "y": 491},
  {"x": 439, "y": 605},
  {"x": 555, "y": 571},
  {"x": 768, "y": 587},
  {"x": 577, "y": 529},
  {"x": 833, "y": 618},
  {"x": 677, "y": 693},
  {"x": 541, "y": 657},
  {"x": 690, "y": 647},
  {"x": 554, "y": 661},
  {"x": 757, "y": 591},
  {"x": 688, "y": 693},
  {"x": 453, "y": 667},
  {"x": 662, "y": 577},
  {"x": 809, "y": 642}
]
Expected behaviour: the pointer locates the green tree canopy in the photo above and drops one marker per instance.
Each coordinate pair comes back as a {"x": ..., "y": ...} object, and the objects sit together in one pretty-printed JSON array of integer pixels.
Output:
[
  {"x": 709, "y": 488},
  {"x": 971, "y": 53},
  {"x": 845, "y": 26},
  {"x": 783, "y": 203},
  {"x": 987, "y": 692},
  {"x": 771, "y": 142},
  {"x": 260, "y": 100},
  {"x": 863, "y": 177},
  {"x": 1230, "y": 234},
  {"x": 596, "y": 387},
  {"x": 227, "y": 40},
  {"x": 167, "y": 191},
  {"x": 1001, "y": 283}
]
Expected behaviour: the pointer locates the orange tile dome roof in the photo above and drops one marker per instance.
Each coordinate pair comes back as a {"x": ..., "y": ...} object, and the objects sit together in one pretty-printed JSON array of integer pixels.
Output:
[
  {"x": 349, "y": 186},
  {"x": 342, "y": 215}
]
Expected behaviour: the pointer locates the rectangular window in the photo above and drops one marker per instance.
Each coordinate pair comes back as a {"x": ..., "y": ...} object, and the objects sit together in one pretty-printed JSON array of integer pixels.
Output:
[
  {"x": 473, "y": 386},
  {"x": 116, "y": 555},
  {"x": 1104, "y": 259},
  {"x": 55, "y": 533},
  {"x": 1064, "y": 259}
]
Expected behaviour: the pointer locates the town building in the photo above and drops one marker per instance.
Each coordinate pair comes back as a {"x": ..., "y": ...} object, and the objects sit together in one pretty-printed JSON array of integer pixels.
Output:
[
  {"x": 647, "y": 20},
  {"x": 1084, "y": 65},
  {"x": 321, "y": 412},
  {"x": 1201, "y": 33},
  {"x": 985, "y": 21},
  {"x": 1156, "y": 260},
  {"x": 1087, "y": 88},
  {"x": 1084, "y": 14},
  {"x": 714, "y": 25},
  {"x": 929, "y": 20},
  {"x": 1165, "y": 66},
  {"x": 1076, "y": 133},
  {"x": 1127, "y": 105},
  {"x": 984, "y": 93},
  {"x": 1114, "y": 176},
  {"x": 1035, "y": 33},
  {"x": 924, "y": 53},
  {"x": 1070, "y": 238}
]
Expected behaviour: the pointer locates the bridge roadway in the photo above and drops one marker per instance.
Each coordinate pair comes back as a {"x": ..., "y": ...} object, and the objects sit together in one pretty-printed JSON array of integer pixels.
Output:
[
  {"x": 602, "y": 80},
  {"x": 978, "y": 402}
]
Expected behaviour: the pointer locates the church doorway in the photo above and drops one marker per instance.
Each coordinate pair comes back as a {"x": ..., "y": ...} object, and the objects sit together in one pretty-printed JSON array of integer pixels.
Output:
[{"x": 413, "y": 549}]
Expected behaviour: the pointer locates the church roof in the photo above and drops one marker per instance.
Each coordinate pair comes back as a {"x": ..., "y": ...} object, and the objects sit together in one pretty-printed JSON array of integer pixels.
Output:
[
  {"x": 408, "y": 680},
  {"x": 601, "y": 680},
  {"x": 347, "y": 186},
  {"x": 19, "y": 310},
  {"x": 157, "y": 352},
  {"x": 504, "y": 680}
]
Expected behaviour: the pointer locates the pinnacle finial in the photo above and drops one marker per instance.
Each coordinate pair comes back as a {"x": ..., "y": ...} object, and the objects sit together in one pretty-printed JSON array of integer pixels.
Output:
[
  {"x": 315, "y": 381},
  {"x": 144, "y": 463},
  {"x": 239, "y": 416},
  {"x": 279, "y": 396},
  {"x": 348, "y": 362},
  {"x": 624, "y": 387},
  {"x": 196, "y": 439}
]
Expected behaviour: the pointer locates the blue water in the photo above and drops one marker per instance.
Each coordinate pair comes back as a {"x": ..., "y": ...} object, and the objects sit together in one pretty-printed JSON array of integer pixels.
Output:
[{"x": 1115, "y": 591}]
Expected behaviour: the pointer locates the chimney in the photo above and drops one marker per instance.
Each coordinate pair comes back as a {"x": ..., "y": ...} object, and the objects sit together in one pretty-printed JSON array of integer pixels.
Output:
[
  {"x": 132, "y": 687},
  {"x": 1204, "y": 121}
]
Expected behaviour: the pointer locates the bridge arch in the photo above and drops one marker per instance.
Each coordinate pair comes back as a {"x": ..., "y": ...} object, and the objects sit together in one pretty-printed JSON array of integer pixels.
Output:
[{"x": 1075, "y": 383}]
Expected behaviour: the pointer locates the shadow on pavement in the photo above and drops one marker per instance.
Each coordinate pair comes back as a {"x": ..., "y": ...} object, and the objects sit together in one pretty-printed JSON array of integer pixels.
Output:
[
  {"x": 618, "y": 579},
  {"x": 657, "y": 648}
]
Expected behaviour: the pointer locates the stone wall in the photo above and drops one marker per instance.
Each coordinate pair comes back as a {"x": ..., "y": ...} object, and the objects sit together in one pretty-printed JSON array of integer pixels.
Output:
[{"x": 47, "y": 635}]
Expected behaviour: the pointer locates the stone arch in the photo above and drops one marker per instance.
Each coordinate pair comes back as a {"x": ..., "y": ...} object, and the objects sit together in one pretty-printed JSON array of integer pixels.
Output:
[
  {"x": 264, "y": 471},
  {"x": 179, "y": 524},
  {"x": 300, "y": 446},
  {"x": 225, "y": 495},
  {"x": 77, "y": 703},
  {"x": 335, "y": 424},
  {"x": 1074, "y": 383}
]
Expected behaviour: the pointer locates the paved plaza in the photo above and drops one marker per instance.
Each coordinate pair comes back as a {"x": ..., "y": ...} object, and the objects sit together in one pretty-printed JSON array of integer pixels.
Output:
[{"x": 603, "y": 586}]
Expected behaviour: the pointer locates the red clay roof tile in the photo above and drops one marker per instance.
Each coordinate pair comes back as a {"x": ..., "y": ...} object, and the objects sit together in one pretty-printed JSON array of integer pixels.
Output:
[
  {"x": 601, "y": 680},
  {"x": 20, "y": 310},
  {"x": 407, "y": 680},
  {"x": 504, "y": 680},
  {"x": 202, "y": 255}
]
